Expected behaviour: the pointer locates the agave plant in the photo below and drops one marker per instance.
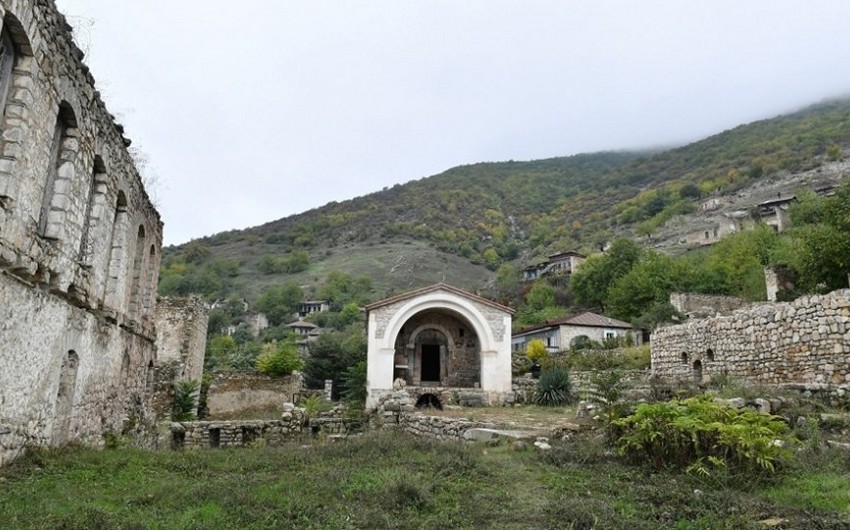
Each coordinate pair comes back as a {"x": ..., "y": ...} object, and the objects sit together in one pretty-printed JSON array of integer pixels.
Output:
[{"x": 554, "y": 388}]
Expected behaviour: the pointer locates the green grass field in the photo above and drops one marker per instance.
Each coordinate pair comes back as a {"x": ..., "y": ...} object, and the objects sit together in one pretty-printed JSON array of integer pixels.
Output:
[{"x": 391, "y": 480}]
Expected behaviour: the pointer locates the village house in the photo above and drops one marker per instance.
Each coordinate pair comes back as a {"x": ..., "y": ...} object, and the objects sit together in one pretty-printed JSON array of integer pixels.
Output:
[
  {"x": 305, "y": 333},
  {"x": 308, "y": 307},
  {"x": 562, "y": 263},
  {"x": 565, "y": 333}
]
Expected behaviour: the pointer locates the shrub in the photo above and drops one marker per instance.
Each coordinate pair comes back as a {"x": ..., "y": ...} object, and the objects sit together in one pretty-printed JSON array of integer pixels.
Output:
[
  {"x": 536, "y": 351},
  {"x": 354, "y": 384},
  {"x": 185, "y": 399},
  {"x": 554, "y": 388},
  {"x": 314, "y": 405},
  {"x": 279, "y": 360},
  {"x": 699, "y": 436}
]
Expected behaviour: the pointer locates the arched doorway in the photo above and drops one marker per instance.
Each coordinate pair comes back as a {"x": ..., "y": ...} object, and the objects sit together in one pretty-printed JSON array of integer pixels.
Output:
[
  {"x": 431, "y": 347},
  {"x": 438, "y": 348}
]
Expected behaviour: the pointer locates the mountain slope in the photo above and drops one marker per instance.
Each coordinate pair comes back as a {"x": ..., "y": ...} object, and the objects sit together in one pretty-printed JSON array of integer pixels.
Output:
[{"x": 451, "y": 225}]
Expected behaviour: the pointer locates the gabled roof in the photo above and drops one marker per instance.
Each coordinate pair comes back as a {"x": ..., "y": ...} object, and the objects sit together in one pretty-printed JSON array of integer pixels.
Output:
[
  {"x": 567, "y": 254},
  {"x": 586, "y": 319},
  {"x": 302, "y": 324},
  {"x": 433, "y": 288}
]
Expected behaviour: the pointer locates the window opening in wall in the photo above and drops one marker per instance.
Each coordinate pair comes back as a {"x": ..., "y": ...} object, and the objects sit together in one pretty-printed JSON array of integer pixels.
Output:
[
  {"x": 709, "y": 354},
  {"x": 64, "y": 151},
  {"x": 148, "y": 288},
  {"x": 697, "y": 371},
  {"x": 138, "y": 273},
  {"x": 125, "y": 368},
  {"x": 89, "y": 222},
  {"x": 150, "y": 377},
  {"x": 608, "y": 334},
  {"x": 431, "y": 363},
  {"x": 8, "y": 57},
  {"x": 684, "y": 358},
  {"x": 65, "y": 397},
  {"x": 215, "y": 437},
  {"x": 249, "y": 435},
  {"x": 178, "y": 439}
]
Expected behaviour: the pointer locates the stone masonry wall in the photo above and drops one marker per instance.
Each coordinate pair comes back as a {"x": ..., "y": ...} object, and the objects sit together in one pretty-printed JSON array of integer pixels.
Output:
[
  {"x": 702, "y": 305},
  {"x": 181, "y": 334},
  {"x": 181, "y": 340},
  {"x": 804, "y": 341},
  {"x": 233, "y": 394},
  {"x": 79, "y": 248}
]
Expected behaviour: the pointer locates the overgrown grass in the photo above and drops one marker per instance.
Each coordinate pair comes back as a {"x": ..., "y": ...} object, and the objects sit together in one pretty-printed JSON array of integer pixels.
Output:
[{"x": 390, "y": 480}]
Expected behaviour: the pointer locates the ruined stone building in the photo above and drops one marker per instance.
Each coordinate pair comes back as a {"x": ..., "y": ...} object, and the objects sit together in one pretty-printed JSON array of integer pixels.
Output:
[
  {"x": 79, "y": 247},
  {"x": 805, "y": 341}
]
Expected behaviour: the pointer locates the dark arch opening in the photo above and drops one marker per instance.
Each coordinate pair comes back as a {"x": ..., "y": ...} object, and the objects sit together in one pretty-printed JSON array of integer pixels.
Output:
[
  {"x": 697, "y": 371},
  {"x": 709, "y": 354},
  {"x": 684, "y": 358},
  {"x": 429, "y": 401}
]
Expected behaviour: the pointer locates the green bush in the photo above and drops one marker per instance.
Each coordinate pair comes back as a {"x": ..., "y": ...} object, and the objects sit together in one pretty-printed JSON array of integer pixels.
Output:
[
  {"x": 354, "y": 384},
  {"x": 555, "y": 387},
  {"x": 279, "y": 360},
  {"x": 185, "y": 400},
  {"x": 700, "y": 436}
]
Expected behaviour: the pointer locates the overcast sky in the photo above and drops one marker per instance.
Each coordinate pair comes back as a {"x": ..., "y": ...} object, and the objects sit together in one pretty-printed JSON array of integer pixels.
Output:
[{"x": 254, "y": 110}]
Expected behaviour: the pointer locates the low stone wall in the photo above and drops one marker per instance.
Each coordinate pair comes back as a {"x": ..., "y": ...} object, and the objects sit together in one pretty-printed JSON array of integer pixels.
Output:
[
  {"x": 525, "y": 386},
  {"x": 203, "y": 434},
  {"x": 292, "y": 425},
  {"x": 804, "y": 341},
  {"x": 438, "y": 428},
  {"x": 232, "y": 394}
]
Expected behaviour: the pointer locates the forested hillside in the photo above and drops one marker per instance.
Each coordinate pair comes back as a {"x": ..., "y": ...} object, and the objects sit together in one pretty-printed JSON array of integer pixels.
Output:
[{"x": 458, "y": 224}]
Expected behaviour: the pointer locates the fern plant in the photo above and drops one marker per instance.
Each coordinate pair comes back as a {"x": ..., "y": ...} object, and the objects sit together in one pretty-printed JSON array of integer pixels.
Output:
[
  {"x": 185, "y": 400},
  {"x": 699, "y": 436}
]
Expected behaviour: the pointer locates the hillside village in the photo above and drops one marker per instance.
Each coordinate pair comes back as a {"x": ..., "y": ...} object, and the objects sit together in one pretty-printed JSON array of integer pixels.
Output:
[{"x": 720, "y": 290}]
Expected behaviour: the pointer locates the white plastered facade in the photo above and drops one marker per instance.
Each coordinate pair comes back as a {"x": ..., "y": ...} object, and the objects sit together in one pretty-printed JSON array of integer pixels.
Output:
[{"x": 491, "y": 323}]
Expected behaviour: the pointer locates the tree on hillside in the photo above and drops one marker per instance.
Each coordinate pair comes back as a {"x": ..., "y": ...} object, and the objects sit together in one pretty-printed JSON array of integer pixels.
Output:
[
  {"x": 508, "y": 283},
  {"x": 590, "y": 283},
  {"x": 279, "y": 302},
  {"x": 341, "y": 289},
  {"x": 647, "y": 285},
  {"x": 331, "y": 355},
  {"x": 823, "y": 247}
]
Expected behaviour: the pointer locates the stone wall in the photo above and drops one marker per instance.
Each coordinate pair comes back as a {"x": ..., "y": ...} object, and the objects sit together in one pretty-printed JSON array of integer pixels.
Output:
[
  {"x": 204, "y": 434},
  {"x": 79, "y": 248},
  {"x": 525, "y": 386},
  {"x": 804, "y": 341},
  {"x": 293, "y": 425},
  {"x": 438, "y": 428},
  {"x": 181, "y": 340},
  {"x": 241, "y": 394},
  {"x": 181, "y": 335},
  {"x": 696, "y": 305}
]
